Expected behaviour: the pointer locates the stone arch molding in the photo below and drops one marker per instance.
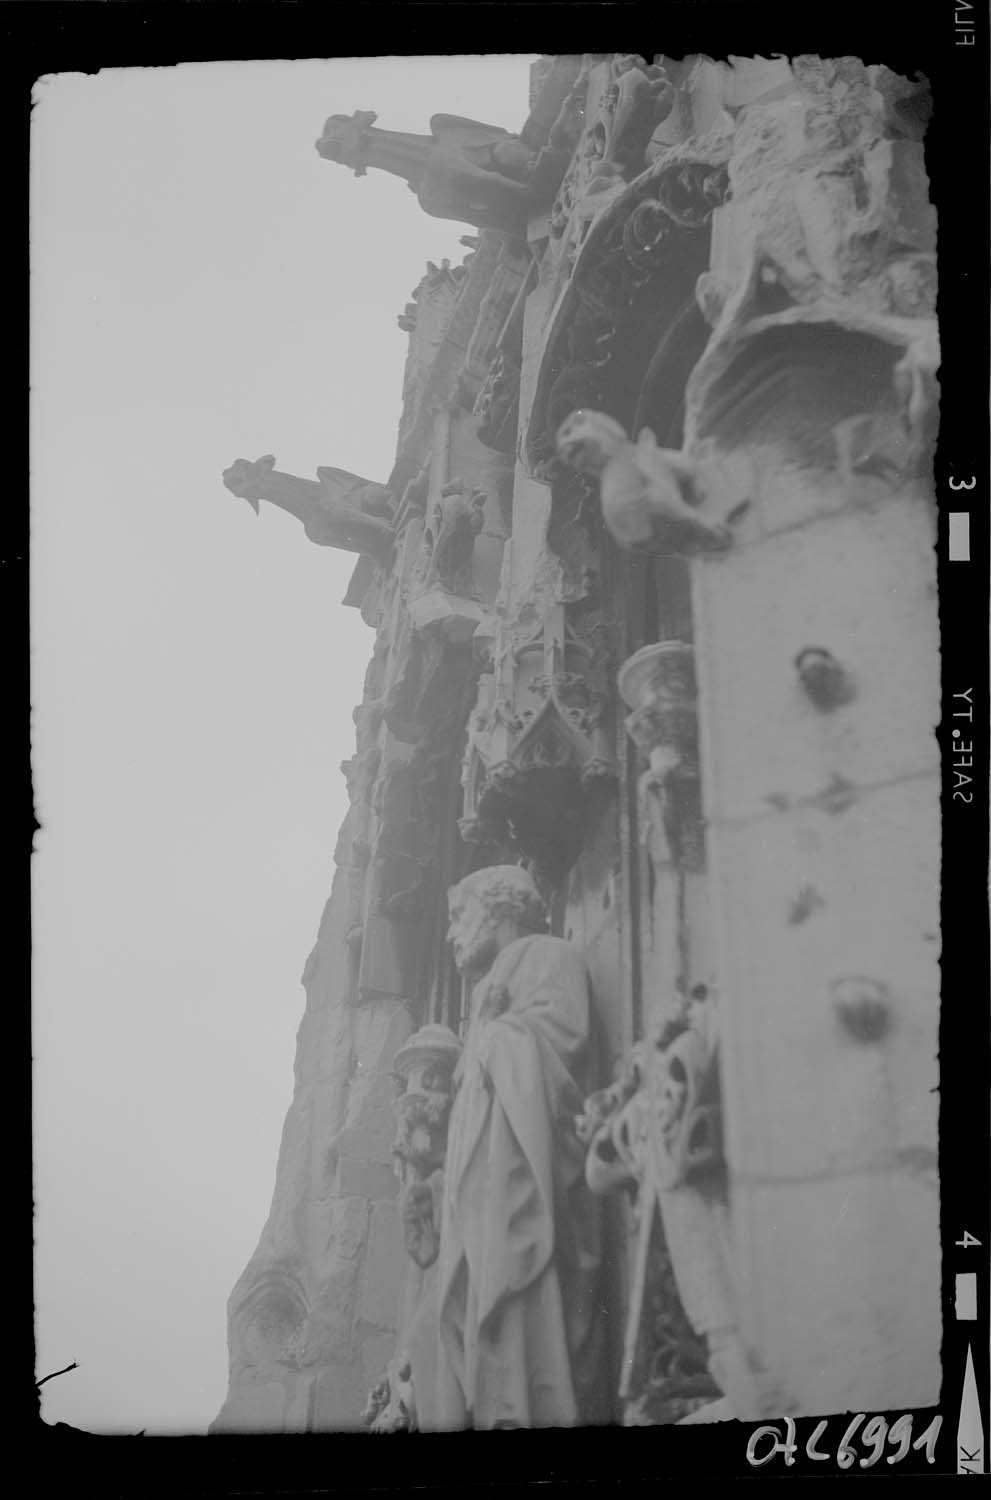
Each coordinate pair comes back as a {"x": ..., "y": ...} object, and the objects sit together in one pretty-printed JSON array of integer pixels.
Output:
[{"x": 637, "y": 265}]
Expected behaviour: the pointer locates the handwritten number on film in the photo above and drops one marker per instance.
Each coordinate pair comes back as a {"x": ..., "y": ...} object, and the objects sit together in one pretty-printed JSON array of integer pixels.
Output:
[{"x": 873, "y": 1438}]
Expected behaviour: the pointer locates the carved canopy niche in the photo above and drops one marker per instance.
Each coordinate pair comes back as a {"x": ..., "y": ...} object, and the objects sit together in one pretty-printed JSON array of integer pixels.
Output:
[{"x": 540, "y": 743}]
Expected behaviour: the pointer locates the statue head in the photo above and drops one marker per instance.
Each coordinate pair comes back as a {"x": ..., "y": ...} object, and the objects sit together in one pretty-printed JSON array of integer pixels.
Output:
[
  {"x": 345, "y": 139},
  {"x": 489, "y": 908},
  {"x": 244, "y": 478},
  {"x": 587, "y": 440}
]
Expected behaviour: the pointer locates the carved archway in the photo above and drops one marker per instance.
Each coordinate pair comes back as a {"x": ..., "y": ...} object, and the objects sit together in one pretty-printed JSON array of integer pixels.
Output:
[{"x": 633, "y": 281}]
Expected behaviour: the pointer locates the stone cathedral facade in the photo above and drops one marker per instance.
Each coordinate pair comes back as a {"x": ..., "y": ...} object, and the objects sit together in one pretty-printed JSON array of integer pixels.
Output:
[{"x": 653, "y": 590}]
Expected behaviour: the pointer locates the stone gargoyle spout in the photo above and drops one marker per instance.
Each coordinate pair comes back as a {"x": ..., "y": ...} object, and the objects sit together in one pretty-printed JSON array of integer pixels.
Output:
[
  {"x": 465, "y": 170},
  {"x": 647, "y": 492},
  {"x": 337, "y": 509}
]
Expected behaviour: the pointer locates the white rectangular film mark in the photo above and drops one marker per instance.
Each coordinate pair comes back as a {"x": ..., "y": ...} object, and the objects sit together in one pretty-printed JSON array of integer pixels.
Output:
[
  {"x": 959, "y": 536},
  {"x": 965, "y": 1301}
]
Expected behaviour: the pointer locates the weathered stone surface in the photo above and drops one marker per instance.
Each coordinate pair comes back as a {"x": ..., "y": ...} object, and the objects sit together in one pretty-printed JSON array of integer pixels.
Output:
[
  {"x": 292, "y": 1178},
  {"x": 328, "y": 1328},
  {"x": 821, "y": 199},
  {"x": 370, "y": 1123},
  {"x": 326, "y": 977},
  {"x": 329, "y": 1106},
  {"x": 809, "y": 899},
  {"x": 859, "y": 585},
  {"x": 340, "y": 1397},
  {"x": 253, "y": 1409},
  {"x": 323, "y": 1047},
  {"x": 383, "y": 1268},
  {"x": 366, "y": 1179},
  {"x": 379, "y": 1031},
  {"x": 432, "y": 387},
  {"x": 870, "y": 1339},
  {"x": 348, "y": 1228},
  {"x": 313, "y": 1220},
  {"x": 376, "y": 1351},
  {"x": 300, "y": 1393}
]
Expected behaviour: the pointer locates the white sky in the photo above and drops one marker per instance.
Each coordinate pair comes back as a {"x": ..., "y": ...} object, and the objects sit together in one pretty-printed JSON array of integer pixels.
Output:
[{"x": 204, "y": 288}]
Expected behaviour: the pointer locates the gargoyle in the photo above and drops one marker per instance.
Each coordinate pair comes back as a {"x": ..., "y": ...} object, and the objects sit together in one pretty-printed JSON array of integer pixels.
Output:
[
  {"x": 644, "y": 489},
  {"x": 338, "y": 509},
  {"x": 462, "y": 170}
]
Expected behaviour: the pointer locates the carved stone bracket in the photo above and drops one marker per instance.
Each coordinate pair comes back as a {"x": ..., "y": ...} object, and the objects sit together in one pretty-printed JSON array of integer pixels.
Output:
[
  {"x": 539, "y": 747},
  {"x": 423, "y": 1069},
  {"x": 455, "y": 617}
]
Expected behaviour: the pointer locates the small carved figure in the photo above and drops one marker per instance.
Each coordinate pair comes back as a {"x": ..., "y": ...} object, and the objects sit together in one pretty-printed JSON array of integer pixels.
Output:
[
  {"x": 391, "y": 1405},
  {"x": 462, "y": 170},
  {"x": 637, "y": 99},
  {"x": 643, "y": 486},
  {"x": 423, "y": 1066},
  {"x": 454, "y": 520},
  {"x": 338, "y": 509},
  {"x": 916, "y": 387},
  {"x": 497, "y": 401}
]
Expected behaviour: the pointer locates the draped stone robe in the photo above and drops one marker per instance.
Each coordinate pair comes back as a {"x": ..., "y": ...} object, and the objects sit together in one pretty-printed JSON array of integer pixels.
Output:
[{"x": 519, "y": 1285}]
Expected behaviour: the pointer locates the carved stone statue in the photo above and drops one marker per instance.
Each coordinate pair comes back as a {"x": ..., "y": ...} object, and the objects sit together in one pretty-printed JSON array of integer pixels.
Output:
[
  {"x": 338, "y": 509},
  {"x": 639, "y": 95},
  {"x": 423, "y": 1065},
  {"x": 462, "y": 170},
  {"x": 643, "y": 486},
  {"x": 453, "y": 522},
  {"x": 518, "y": 1299}
]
